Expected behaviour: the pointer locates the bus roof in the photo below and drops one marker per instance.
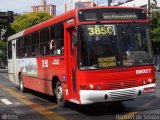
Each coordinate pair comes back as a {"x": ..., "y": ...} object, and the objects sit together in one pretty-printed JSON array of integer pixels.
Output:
[
  {"x": 51, "y": 21},
  {"x": 62, "y": 17},
  {"x": 15, "y": 35},
  {"x": 67, "y": 15}
]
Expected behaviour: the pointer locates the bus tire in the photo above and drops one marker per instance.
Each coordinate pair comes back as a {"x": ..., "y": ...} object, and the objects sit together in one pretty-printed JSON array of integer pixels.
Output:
[
  {"x": 21, "y": 85},
  {"x": 59, "y": 95}
]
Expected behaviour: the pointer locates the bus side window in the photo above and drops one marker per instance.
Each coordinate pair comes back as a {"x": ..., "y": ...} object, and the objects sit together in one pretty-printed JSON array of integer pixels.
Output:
[
  {"x": 35, "y": 44},
  {"x": 53, "y": 47},
  {"x": 57, "y": 39},
  {"x": 10, "y": 50},
  {"x": 26, "y": 46},
  {"x": 44, "y": 42},
  {"x": 44, "y": 49},
  {"x": 20, "y": 46}
]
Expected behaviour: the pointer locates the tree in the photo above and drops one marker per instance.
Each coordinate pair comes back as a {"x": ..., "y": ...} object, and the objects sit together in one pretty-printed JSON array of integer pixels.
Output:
[
  {"x": 155, "y": 28},
  {"x": 20, "y": 23},
  {"x": 3, "y": 52},
  {"x": 155, "y": 32},
  {"x": 27, "y": 20}
]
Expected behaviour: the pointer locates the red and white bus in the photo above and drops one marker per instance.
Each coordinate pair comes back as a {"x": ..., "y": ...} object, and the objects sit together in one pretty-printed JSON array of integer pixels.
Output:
[{"x": 85, "y": 56}]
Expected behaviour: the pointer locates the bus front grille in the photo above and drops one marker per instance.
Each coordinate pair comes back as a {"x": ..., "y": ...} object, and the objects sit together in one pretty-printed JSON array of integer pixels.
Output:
[
  {"x": 121, "y": 95},
  {"x": 121, "y": 84}
]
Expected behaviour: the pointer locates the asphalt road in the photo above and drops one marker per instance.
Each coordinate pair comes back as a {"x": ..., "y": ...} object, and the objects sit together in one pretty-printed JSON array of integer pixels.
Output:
[{"x": 36, "y": 106}]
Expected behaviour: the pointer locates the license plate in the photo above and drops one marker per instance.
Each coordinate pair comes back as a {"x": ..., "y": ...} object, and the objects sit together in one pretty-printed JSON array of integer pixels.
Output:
[{"x": 148, "y": 90}]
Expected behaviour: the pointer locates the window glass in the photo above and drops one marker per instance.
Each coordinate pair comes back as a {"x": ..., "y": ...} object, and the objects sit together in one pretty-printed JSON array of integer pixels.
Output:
[
  {"x": 35, "y": 38},
  {"x": 112, "y": 45},
  {"x": 20, "y": 47},
  {"x": 35, "y": 44},
  {"x": 44, "y": 42},
  {"x": 26, "y": 46},
  {"x": 10, "y": 50},
  {"x": 57, "y": 39},
  {"x": 44, "y": 35}
]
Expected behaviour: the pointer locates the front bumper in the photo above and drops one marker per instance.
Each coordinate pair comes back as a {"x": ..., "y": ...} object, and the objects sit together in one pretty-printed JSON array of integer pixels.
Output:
[{"x": 94, "y": 96}]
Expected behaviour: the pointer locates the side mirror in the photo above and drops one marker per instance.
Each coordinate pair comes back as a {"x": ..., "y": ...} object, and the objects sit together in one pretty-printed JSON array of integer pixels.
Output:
[{"x": 75, "y": 38}]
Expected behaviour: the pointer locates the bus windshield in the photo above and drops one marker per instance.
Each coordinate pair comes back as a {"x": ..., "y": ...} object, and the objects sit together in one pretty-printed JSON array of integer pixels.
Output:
[{"x": 114, "y": 45}]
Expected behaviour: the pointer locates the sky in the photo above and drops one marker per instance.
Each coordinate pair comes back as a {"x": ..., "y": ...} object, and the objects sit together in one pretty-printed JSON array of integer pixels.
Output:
[{"x": 20, "y": 6}]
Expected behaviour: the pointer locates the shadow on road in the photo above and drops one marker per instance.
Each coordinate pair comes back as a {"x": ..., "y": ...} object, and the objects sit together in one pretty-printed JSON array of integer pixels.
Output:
[{"x": 100, "y": 109}]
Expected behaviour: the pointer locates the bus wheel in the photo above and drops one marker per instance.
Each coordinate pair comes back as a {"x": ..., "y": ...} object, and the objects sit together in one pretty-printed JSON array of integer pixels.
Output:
[
  {"x": 59, "y": 95},
  {"x": 21, "y": 85}
]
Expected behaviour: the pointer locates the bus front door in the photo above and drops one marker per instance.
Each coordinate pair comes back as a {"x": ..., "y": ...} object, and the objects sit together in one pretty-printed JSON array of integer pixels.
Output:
[{"x": 72, "y": 67}]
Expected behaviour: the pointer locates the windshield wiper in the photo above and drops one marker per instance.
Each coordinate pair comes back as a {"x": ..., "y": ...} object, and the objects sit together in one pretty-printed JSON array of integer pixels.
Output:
[{"x": 88, "y": 68}]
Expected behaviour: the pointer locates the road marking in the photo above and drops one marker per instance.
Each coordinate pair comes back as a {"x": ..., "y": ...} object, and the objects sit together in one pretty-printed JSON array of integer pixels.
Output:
[
  {"x": 17, "y": 103},
  {"x": 5, "y": 101},
  {"x": 47, "y": 113}
]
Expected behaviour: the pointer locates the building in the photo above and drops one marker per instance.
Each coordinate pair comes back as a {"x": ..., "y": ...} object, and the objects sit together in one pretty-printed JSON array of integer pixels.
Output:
[
  {"x": 50, "y": 9},
  {"x": 137, "y": 3},
  {"x": 158, "y": 4},
  {"x": 72, "y": 4}
]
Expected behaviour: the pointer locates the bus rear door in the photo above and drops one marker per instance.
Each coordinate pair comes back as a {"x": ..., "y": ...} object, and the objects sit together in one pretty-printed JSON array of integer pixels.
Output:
[{"x": 12, "y": 63}]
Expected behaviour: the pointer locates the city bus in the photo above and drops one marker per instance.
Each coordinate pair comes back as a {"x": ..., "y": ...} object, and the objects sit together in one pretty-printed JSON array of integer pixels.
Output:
[{"x": 85, "y": 56}]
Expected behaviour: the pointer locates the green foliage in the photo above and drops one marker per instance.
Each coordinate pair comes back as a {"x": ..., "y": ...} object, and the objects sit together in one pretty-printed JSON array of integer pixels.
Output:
[
  {"x": 27, "y": 20},
  {"x": 3, "y": 45},
  {"x": 3, "y": 51},
  {"x": 155, "y": 27}
]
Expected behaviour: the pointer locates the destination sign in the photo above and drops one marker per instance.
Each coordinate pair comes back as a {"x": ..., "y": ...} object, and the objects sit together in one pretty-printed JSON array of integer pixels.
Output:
[
  {"x": 101, "y": 30},
  {"x": 111, "y": 14},
  {"x": 107, "y": 61},
  {"x": 124, "y": 16}
]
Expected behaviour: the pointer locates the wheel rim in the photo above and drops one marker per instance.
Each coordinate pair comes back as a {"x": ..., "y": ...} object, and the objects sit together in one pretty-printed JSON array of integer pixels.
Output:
[{"x": 59, "y": 93}]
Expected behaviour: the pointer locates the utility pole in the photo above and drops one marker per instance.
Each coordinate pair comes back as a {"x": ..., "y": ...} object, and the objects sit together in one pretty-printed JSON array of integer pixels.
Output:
[
  {"x": 0, "y": 31},
  {"x": 152, "y": 6},
  {"x": 149, "y": 9}
]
